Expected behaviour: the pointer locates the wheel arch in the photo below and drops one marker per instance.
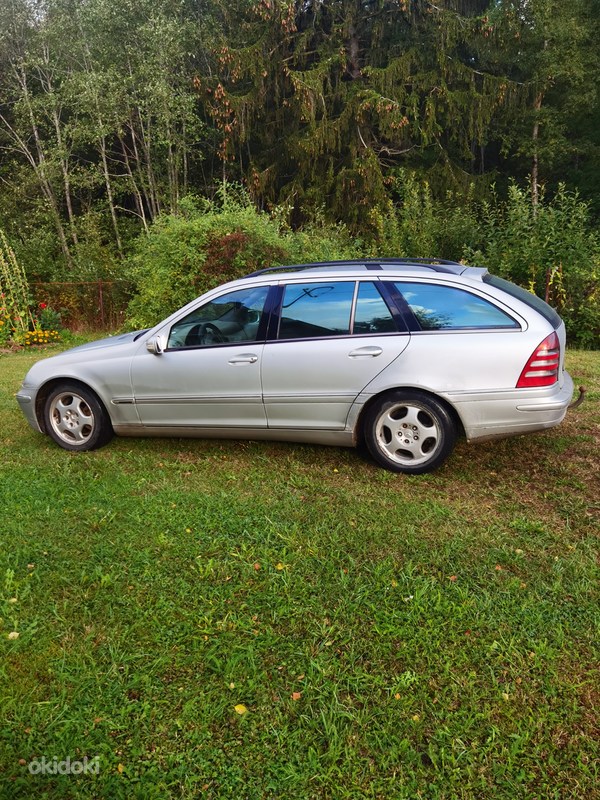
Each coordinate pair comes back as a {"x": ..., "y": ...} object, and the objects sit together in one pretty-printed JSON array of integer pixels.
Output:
[
  {"x": 359, "y": 428},
  {"x": 45, "y": 390}
]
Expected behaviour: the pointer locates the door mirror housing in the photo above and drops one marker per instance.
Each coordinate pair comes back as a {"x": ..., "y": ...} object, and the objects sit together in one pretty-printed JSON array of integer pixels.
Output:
[{"x": 155, "y": 345}]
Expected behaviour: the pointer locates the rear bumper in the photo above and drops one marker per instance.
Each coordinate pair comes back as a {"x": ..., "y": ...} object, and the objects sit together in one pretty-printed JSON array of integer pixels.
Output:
[{"x": 497, "y": 414}]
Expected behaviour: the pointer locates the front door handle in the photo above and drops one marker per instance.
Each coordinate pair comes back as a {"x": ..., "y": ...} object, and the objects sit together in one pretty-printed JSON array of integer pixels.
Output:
[
  {"x": 370, "y": 351},
  {"x": 244, "y": 358}
]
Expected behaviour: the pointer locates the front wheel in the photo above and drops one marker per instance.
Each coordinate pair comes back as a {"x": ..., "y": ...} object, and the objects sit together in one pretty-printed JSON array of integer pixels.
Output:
[
  {"x": 76, "y": 419},
  {"x": 409, "y": 432}
]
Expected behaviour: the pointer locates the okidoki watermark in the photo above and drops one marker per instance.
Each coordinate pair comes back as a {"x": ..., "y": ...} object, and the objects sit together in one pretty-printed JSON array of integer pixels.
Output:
[{"x": 67, "y": 766}]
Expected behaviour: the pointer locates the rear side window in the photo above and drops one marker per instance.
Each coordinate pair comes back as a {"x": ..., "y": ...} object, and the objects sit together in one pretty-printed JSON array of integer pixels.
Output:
[
  {"x": 316, "y": 309},
  {"x": 532, "y": 300},
  {"x": 448, "y": 308}
]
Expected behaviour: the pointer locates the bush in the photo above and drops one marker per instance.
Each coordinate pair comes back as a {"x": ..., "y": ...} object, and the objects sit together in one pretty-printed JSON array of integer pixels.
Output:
[
  {"x": 550, "y": 250},
  {"x": 419, "y": 225},
  {"x": 211, "y": 243}
]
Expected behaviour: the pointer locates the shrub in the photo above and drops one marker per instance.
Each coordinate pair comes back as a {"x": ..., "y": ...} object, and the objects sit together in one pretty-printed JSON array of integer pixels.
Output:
[
  {"x": 418, "y": 224},
  {"x": 211, "y": 243},
  {"x": 551, "y": 250}
]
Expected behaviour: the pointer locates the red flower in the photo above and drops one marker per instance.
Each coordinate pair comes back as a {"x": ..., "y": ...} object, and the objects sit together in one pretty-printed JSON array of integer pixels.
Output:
[{"x": 43, "y": 306}]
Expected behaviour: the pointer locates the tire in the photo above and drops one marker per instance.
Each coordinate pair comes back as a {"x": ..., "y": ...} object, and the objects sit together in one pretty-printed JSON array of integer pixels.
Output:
[
  {"x": 408, "y": 431},
  {"x": 75, "y": 418}
]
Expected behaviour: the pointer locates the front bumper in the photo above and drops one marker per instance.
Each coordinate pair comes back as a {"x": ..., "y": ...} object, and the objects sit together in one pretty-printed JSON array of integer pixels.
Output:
[{"x": 26, "y": 400}]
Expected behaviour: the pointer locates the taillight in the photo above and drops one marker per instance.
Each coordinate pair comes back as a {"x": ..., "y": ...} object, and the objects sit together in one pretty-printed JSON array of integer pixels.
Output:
[{"x": 542, "y": 367}]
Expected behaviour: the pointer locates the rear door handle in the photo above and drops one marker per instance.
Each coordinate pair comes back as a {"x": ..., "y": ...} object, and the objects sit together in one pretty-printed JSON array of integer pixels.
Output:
[
  {"x": 244, "y": 358},
  {"x": 371, "y": 351}
]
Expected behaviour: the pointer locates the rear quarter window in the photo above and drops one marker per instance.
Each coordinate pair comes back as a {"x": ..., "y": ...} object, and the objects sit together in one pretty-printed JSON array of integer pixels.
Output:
[
  {"x": 437, "y": 307},
  {"x": 531, "y": 300}
]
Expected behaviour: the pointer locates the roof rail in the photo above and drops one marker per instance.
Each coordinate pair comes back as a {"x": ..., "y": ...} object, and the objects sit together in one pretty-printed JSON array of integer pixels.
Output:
[{"x": 436, "y": 264}]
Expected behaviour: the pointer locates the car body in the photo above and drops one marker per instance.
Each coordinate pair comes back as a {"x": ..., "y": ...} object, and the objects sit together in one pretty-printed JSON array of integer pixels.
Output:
[{"x": 402, "y": 354}]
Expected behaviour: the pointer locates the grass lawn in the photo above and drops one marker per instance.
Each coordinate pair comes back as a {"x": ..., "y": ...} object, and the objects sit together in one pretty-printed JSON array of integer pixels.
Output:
[{"x": 255, "y": 620}]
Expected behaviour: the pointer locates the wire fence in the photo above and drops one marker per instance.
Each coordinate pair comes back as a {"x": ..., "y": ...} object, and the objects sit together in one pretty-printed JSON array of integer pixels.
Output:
[{"x": 85, "y": 304}]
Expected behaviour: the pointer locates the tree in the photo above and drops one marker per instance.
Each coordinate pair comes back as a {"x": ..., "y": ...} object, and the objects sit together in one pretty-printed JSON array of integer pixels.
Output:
[
  {"x": 546, "y": 46},
  {"x": 320, "y": 101}
]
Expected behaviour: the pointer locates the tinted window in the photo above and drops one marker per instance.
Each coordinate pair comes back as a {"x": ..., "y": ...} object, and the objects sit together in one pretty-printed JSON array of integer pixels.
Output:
[
  {"x": 532, "y": 300},
  {"x": 372, "y": 314},
  {"x": 232, "y": 317},
  {"x": 444, "y": 307},
  {"x": 316, "y": 309}
]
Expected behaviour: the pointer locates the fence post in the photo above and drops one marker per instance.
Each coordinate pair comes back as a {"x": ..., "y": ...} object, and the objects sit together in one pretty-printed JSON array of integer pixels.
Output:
[{"x": 101, "y": 299}]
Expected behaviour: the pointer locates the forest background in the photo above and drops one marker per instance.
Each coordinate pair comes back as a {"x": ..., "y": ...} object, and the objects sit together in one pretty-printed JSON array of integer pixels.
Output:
[{"x": 175, "y": 143}]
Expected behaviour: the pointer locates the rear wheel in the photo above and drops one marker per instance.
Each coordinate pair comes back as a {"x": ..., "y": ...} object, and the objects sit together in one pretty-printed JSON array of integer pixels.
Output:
[
  {"x": 409, "y": 432},
  {"x": 76, "y": 419}
]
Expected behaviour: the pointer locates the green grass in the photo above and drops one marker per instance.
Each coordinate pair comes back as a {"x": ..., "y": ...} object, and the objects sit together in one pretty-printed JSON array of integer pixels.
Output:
[{"x": 391, "y": 637}]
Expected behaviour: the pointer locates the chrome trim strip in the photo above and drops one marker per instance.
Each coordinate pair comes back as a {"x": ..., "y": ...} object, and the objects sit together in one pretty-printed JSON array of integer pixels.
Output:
[{"x": 203, "y": 400}]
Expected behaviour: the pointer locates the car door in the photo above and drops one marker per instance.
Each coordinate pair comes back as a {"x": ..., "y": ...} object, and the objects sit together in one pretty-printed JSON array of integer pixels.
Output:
[
  {"x": 330, "y": 339},
  {"x": 208, "y": 375}
]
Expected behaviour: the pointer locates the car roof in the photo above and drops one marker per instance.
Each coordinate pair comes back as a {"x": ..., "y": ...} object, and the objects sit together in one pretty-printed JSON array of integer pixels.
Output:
[{"x": 408, "y": 265}]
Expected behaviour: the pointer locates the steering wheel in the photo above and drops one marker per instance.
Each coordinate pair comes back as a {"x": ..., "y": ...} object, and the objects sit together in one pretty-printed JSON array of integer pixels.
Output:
[
  {"x": 204, "y": 333},
  {"x": 212, "y": 335}
]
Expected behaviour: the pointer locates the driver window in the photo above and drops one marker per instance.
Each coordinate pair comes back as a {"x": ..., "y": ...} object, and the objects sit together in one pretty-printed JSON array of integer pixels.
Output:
[{"x": 232, "y": 317}]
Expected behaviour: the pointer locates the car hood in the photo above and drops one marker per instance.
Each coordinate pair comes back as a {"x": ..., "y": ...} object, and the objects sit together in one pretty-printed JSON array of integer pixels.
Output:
[
  {"x": 110, "y": 341},
  {"x": 110, "y": 347}
]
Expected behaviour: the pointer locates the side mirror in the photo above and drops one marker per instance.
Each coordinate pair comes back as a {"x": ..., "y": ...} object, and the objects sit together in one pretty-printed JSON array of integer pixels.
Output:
[{"x": 155, "y": 345}]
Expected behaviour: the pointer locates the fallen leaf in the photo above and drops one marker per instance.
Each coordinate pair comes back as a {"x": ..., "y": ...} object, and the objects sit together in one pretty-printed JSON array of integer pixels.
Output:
[
  {"x": 240, "y": 709},
  {"x": 452, "y": 578},
  {"x": 257, "y": 566},
  {"x": 13, "y": 635},
  {"x": 296, "y": 695},
  {"x": 120, "y": 768}
]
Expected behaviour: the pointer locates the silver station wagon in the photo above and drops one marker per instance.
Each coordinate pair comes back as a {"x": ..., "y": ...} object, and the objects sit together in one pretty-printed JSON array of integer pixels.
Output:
[{"x": 403, "y": 355}]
